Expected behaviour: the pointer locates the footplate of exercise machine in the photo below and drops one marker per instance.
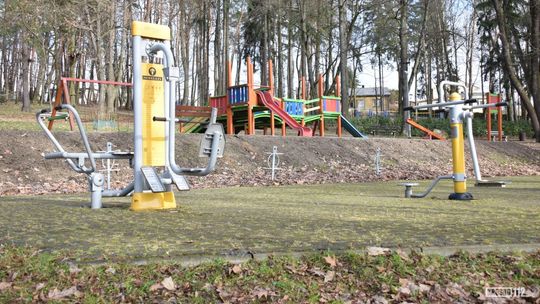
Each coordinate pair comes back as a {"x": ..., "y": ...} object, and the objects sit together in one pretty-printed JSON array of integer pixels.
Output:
[
  {"x": 180, "y": 182},
  {"x": 494, "y": 184},
  {"x": 153, "y": 180},
  {"x": 214, "y": 129}
]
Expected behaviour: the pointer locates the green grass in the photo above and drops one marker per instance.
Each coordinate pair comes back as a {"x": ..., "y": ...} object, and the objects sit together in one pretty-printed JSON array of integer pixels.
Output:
[
  {"x": 234, "y": 221},
  {"x": 28, "y": 275}
]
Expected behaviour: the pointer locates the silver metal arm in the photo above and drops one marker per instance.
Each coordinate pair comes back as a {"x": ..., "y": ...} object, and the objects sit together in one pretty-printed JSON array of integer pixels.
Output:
[
  {"x": 468, "y": 116},
  {"x": 450, "y": 83},
  {"x": 171, "y": 76},
  {"x": 83, "y": 137},
  {"x": 433, "y": 184},
  {"x": 39, "y": 117},
  {"x": 116, "y": 193}
]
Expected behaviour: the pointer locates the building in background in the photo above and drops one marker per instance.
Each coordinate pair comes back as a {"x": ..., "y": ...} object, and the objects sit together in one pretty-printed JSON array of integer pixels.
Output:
[{"x": 370, "y": 102}]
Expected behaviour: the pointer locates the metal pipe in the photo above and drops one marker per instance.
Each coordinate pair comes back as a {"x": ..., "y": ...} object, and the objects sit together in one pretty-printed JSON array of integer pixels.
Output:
[
  {"x": 54, "y": 141},
  {"x": 78, "y": 155},
  {"x": 137, "y": 115},
  {"x": 123, "y": 192},
  {"x": 172, "y": 102},
  {"x": 433, "y": 184},
  {"x": 439, "y": 105},
  {"x": 452, "y": 83},
  {"x": 83, "y": 136},
  {"x": 468, "y": 120}
]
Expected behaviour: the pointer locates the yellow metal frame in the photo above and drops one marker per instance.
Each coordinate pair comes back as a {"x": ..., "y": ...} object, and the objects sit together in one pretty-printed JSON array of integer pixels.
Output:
[
  {"x": 153, "y": 133},
  {"x": 142, "y": 201},
  {"x": 458, "y": 152},
  {"x": 150, "y": 30}
]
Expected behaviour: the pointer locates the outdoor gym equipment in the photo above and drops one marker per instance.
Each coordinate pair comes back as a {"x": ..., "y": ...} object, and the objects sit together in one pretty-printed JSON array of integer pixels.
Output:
[
  {"x": 459, "y": 110},
  {"x": 153, "y": 158},
  {"x": 493, "y": 100}
]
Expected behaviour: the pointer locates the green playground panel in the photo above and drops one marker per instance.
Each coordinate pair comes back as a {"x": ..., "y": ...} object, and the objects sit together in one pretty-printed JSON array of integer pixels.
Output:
[
  {"x": 331, "y": 115},
  {"x": 58, "y": 117},
  {"x": 311, "y": 118}
]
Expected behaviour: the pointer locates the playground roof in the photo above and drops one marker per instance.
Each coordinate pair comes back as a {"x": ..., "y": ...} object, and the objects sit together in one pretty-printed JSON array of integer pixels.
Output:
[{"x": 371, "y": 91}]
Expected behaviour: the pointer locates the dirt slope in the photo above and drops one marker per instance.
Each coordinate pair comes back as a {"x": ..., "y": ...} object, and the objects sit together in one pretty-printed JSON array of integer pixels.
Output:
[{"x": 305, "y": 160}]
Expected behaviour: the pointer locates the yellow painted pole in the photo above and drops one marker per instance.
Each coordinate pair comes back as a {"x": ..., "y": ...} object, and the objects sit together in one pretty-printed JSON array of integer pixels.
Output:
[{"x": 458, "y": 152}]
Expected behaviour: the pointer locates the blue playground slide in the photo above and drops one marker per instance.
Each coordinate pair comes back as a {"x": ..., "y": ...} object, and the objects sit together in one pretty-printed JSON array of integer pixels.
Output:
[{"x": 351, "y": 128}]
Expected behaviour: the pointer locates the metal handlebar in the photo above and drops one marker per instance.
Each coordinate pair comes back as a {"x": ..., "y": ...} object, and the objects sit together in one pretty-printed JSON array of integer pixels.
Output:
[
  {"x": 450, "y": 83},
  {"x": 439, "y": 105},
  {"x": 81, "y": 168}
]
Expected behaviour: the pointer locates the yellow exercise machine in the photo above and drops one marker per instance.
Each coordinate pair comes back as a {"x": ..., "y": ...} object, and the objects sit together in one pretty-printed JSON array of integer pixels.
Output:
[
  {"x": 153, "y": 158},
  {"x": 460, "y": 110}
]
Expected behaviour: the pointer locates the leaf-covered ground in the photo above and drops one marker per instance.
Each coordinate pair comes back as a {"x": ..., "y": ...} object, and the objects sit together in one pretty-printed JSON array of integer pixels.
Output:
[
  {"x": 245, "y": 221},
  {"x": 28, "y": 275}
]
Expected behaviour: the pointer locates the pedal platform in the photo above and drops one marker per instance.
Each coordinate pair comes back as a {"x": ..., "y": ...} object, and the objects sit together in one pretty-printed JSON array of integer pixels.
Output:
[
  {"x": 494, "y": 184},
  {"x": 180, "y": 182},
  {"x": 206, "y": 142},
  {"x": 153, "y": 180}
]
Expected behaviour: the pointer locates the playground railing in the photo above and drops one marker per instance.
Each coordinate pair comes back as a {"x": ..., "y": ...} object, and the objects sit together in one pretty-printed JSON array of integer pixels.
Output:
[
  {"x": 238, "y": 94},
  {"x": 219, "y": 102},
  {"x": 192, "y": 111},
  {"x": 312, "y": 106},
  {"x": 331, "y": 104},
  {"x": 312, "y": 109},
  {"x": 294, "y": 107}
]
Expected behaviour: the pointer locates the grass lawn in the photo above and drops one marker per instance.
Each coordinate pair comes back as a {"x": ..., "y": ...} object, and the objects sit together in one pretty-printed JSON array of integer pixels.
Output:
[{"x": 241, "y": 221}]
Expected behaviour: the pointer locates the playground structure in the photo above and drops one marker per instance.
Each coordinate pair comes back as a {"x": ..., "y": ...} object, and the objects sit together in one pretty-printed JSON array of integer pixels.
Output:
[
  {"x": 459, "y": 110},
  {"x": 246, "y": 107},
  {"x": 153, "y": 158},
  {"x": 63, "y": 97},
  {"x": 429, "y": 133},
  {"x": 493, "y": 100}
]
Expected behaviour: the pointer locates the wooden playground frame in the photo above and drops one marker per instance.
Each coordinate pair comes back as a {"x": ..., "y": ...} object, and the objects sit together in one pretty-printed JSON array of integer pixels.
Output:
[{"x": 62, "y": 96}]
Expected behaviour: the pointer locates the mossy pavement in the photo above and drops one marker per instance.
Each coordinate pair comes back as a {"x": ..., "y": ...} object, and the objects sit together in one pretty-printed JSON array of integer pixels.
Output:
[{"x": 251, "y": 220}]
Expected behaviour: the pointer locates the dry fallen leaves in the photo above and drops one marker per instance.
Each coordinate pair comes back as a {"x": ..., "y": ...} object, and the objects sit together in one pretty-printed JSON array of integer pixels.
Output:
[
  {"x": 56, "y": 294},
  {"x": 331, "y": 261},
  {"x": 329, "y": 276},
  {"x": 5, "y": 285},
  {"x": 156, "y": 287},
  {"x": 168, "y": 283},
  {"x": 40, "y": 286},
  {"x": 374, "y": 251},
  {"x": 73, "y": 269},
  {"x": 236, "y": 269}
]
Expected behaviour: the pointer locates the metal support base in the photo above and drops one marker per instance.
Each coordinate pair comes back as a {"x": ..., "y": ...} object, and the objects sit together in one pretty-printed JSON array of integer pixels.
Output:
[
  {"x": 461, "y": 196},
  {"x": 408, "y": 189},
  {"x": 96, "y": 188}
]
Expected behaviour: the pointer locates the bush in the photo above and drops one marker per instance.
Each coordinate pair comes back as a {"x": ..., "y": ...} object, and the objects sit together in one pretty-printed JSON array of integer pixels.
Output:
[{"x": 479, "y": 125}]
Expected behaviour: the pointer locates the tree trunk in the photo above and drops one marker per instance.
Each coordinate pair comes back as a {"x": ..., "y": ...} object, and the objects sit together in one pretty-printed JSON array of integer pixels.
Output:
[
  {"x": 403, "y": 66},
  {"x": 25, "y": 78},
  {"x": 225, "y": 80},
  {"x": 218, "y": 65},
  {"x": 534, "y": 6},
  {"x": 510, "y": 69},
  {"x": 290, "y": 68},
  {"x": 280, "y": 90},
  {"x": 343, "y": 46}
]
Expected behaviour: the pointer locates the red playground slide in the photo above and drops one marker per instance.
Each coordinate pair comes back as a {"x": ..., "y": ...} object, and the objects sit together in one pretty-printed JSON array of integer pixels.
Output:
[
  {"x": 429, "y": 133},
  {"x": 268, "y": 101}
]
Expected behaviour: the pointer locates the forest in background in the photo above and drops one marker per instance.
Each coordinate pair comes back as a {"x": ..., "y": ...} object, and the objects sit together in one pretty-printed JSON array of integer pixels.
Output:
[{"x": 426, "y": 41}]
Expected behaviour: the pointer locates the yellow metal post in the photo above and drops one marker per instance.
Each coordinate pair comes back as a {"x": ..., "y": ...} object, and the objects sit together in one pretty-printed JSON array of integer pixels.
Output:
[
  {"x": 149, "y": 102},
  {"x": 458, "y": 152}
]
